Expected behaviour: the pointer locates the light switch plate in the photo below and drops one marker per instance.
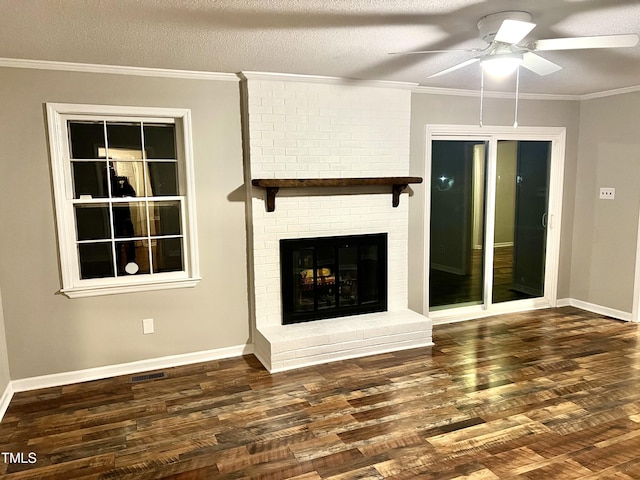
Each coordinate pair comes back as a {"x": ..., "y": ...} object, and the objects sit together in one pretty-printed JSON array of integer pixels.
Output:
[{"x": 147, "y": 326}]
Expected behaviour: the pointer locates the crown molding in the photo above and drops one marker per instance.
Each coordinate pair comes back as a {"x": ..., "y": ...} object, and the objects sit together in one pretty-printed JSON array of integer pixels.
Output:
[
  {"x": 292, "y": 77},
  {"x": 490, "y": 94},
  {"x": 116, "y": 69},
  {"x": 611, "y": 93},
  {"x": 236, "y": 77}
]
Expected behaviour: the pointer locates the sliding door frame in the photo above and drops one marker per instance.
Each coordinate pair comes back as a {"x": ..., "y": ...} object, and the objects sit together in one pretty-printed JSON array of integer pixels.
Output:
[{"x": 491, "y": 134}]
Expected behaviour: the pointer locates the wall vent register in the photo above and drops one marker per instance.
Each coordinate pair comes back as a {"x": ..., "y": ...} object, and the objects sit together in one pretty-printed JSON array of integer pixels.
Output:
[{"x": 330, "y": 277}]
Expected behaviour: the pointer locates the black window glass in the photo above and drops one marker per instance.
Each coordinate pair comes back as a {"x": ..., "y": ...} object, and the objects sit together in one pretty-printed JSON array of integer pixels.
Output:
[
  {"x": 160, "y": 141},
  {"x": 86, "y": 139},
  {"x": 96, "y": 260},
  {"x": 125, "y": 140},
  {"x": 163, "y": 177},
  {"x": 92, "y": 222},
  {"x": 89, "y": 178},
  {"x": 167, "y": 255},
  {"x": 129, "y": 219},
  {"x": 132, "y": 257},
  {"x": 166, "y": 218}
]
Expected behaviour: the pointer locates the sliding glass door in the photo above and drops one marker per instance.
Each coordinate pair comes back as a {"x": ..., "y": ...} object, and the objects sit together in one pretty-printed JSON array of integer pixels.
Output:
[
  {"x": 457, "y": 223},
  {"x": 521, "y": 218},
  {"x": 488, "y": 221}
]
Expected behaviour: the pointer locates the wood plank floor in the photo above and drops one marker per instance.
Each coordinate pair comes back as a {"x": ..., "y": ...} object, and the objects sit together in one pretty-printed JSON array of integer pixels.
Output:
[
  {"x": 449, "y": 289},
  {"x": 545, "y": 394}
]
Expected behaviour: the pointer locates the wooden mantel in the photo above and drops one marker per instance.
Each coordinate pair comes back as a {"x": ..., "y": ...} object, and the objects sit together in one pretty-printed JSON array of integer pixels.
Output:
[{"x": 272, "y": 185}]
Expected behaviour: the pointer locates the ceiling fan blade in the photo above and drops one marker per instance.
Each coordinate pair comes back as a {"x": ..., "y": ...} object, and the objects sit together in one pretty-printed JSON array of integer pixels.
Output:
[
  {"x": 575, "y": 43},
  {"x": 420, "y": 52},
  {"x": 539, "y": 65},
  {"x": 512, "y": 31},
  {"x": 455, "y": 67}
]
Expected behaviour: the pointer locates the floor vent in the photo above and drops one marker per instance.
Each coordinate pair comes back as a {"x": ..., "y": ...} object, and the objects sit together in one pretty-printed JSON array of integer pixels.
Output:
[{"x": 144, "y": 378}]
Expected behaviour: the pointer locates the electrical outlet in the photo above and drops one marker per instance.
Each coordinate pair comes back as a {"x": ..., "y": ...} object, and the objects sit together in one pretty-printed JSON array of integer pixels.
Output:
[
  {"x": 607, "y": 193},
  {"x": 147, "y": 326}
]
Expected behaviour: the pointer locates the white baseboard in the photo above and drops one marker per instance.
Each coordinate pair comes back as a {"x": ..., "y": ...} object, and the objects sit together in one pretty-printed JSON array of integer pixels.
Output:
[
  {"x": 599, "y": 309},
  {"x": 463, "y": 314},
  {"x": 5, "y": 400},
  {"x": 65, "y": 378}
]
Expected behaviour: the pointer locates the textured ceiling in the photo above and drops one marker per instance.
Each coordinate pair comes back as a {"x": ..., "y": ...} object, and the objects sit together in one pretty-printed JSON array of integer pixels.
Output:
[{"x": 344, "y": 38}]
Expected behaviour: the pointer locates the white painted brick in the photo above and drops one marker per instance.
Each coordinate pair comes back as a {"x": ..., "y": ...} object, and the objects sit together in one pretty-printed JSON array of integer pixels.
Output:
[
  {"x": 341, "y": 131},
  {"x": 298, "y": 230},
  {"x": 260, "y": 108},
  {"x": 270, "y": 118},
  {"x": 275, "y": 228},
  {"x": 272, "y": 102},
  {"x": 285, "y": 109},
  {"x": 272, "y": 85},
  {"x": 273, "y": 150},
  {"x": 285, "y": 142},
  {"x": 275, "y": 134}
]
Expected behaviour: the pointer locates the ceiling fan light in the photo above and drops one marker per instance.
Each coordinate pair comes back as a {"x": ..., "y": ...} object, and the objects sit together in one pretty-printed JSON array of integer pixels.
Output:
[{"x": 501, "y": 65}]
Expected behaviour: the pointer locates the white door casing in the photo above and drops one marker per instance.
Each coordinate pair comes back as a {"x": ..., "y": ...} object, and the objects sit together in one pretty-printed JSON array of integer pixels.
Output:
[{"x": 493, "y": 134}]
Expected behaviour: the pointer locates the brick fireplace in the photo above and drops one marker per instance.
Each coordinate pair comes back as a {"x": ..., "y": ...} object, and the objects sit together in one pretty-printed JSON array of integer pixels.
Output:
[{"x": 308, "y": 127}]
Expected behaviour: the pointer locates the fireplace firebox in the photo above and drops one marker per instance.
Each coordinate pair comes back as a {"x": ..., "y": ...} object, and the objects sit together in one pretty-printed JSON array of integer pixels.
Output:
[{"x": 328, "y": 277}]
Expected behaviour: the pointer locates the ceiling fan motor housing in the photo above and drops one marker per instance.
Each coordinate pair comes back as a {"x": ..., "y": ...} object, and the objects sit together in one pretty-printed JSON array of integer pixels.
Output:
[{"x": 490, "y": 24}]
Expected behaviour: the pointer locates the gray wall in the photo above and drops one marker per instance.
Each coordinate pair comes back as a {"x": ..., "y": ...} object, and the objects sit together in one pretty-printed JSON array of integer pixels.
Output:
[
  {"x": 4, "y": 359},
  {"x": 605, "y": 231},
  {"x": 460, "y": 110},
  {"x": 48, "y": 332}
]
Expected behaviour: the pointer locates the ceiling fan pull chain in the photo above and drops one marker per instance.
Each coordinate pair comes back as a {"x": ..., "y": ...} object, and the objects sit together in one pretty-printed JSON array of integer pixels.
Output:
[
  {"x": 481, "y": 92},
  {"x": 515, "y": 123}
]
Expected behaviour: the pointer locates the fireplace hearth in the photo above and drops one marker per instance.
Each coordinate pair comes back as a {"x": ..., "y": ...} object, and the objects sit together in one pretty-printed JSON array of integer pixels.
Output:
[{"x": 330, "y": 277}]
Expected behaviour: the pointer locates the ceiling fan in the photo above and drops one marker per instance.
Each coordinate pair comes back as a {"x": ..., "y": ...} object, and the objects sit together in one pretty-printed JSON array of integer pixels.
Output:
[{"x": 503, "y": 33}]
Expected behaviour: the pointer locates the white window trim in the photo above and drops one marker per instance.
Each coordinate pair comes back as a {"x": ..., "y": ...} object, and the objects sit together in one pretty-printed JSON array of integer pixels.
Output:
[{"x": 72, "y": 285}]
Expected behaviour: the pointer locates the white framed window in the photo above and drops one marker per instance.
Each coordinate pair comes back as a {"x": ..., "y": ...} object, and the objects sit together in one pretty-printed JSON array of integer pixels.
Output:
[{"x": 124, "y": 197}]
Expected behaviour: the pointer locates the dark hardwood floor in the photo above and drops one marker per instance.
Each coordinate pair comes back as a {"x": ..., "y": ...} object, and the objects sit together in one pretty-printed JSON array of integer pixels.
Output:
[
  {"x": 549, "y": 394},
  {"x": 448, "y": 289}
]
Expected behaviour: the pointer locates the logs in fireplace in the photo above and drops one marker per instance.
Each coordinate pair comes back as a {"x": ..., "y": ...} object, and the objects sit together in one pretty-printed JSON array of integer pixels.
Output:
[{"x": 330, "y": 277}]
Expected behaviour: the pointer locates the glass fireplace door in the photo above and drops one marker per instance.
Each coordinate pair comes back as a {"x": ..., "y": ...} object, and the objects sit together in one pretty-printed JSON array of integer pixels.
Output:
[
  {"x": 303, "y": 290},
  {"x": 331, "y": 277}
]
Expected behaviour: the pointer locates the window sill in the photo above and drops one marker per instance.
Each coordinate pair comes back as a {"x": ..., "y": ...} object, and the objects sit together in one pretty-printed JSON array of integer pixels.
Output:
[{"x": 95, "y": 291}]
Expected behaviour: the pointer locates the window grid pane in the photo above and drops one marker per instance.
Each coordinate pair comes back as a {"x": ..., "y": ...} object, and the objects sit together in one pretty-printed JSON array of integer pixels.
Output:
[
  {"x": 96, "y": 260},
  {"x": 86, "y": 140},
  {"x": 92, "y": 221}
]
